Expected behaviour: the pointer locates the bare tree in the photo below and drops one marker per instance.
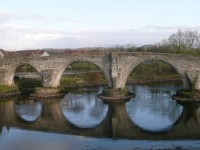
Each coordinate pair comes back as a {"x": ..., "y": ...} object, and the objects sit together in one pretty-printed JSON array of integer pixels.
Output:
[{"x": 183, "y": 40}]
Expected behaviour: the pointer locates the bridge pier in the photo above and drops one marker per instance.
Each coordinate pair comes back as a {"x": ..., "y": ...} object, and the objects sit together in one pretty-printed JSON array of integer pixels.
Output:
[
  {"x": 6, "y": 77},
  {"x": 117, "y": 90},
  {"x": 49, "y": 78},
  {"x": 49, "y": 83},
  {"x": 116, "y": 72},
  {"x": 193, "y": 78},
  {"x": 197, "y": 82}
]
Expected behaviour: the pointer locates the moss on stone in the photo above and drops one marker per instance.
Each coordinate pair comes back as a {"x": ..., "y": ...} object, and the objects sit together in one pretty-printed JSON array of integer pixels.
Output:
[
  {"x": 46, "y": 91},
  {"x": 116, "y": 92}
]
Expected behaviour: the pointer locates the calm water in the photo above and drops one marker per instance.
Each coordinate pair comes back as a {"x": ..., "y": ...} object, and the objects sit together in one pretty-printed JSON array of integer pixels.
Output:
[{"x": 151, "y": 120}]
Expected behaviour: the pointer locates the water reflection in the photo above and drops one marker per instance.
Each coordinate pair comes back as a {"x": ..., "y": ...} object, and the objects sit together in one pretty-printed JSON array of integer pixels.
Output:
[
  {"x": 153, "y": 109},
  {"x": 28, "y": 110},
  {"x": 113, "y": 121},
  {"x": 84, "y": 110}
]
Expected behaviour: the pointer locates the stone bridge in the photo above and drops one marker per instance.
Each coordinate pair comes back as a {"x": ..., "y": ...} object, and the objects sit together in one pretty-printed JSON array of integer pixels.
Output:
[{"x": 116, "y": 66}]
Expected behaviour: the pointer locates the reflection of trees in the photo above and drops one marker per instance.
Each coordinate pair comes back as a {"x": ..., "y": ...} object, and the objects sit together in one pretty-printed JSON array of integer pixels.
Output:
[
  {"x": 83, "y": 109},
  {"x": 156, "y": 100},
  {"x": 90, "y": 101},
  {"x": 28, "y": 109},
  {"x": 75, "y": 104},
  {"x": 4, "y": 131},
  {"x": 0, "y": 130},
  {"x": 98, "y": 109}
]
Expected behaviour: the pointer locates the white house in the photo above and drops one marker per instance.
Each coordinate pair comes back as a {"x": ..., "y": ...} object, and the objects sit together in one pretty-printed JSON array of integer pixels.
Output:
[{"x": 45, "y": 54}]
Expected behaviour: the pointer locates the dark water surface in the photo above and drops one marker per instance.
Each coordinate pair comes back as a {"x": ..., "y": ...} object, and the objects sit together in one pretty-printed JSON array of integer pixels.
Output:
[{"x": 151, "y": 120}]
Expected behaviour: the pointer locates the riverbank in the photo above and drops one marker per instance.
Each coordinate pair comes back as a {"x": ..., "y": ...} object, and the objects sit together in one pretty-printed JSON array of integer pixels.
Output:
[
  {"x": 187, "y": 96},
  {"x": 97, "y": 79},
  {"x": 6, "y": 91},
  {"x": 46, "y": 93}
]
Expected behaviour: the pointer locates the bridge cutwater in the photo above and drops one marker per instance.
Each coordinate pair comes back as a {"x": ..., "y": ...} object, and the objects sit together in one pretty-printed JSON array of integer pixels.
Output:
[{"x": 116, "y": 66}]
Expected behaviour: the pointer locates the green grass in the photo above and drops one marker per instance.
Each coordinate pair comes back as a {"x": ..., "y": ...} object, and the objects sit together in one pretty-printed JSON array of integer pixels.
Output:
[
  {"x": 152, "y": 71},
  {"x": 188, "y": 94},
  {"x": 4, "y": 89},
  {"x": 84, "y": 79}
]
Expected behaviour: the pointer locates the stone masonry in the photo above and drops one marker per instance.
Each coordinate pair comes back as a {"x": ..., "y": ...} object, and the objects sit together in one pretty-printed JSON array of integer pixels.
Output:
[{"x": 116, "y": 66}]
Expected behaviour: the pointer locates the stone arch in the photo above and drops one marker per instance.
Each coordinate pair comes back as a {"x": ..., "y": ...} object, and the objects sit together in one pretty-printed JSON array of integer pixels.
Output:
[
  {"x": 13, "y": 68},
  {"x": 60, "y": 72},
  {"x": 182, "y": 74}
]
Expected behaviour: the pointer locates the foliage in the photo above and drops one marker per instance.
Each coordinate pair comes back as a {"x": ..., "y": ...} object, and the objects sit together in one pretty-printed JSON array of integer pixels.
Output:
[
  {"x": 28, "y": 83},
  {"x": 83, "y": 79},
  {"x": 181, "y": 42},
  {"x": 152, "y": 71},
  {"x": 184, "y": 40}
]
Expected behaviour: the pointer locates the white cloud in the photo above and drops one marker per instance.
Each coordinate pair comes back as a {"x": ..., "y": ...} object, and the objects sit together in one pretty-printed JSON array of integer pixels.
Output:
[
  {"x": 5, "y": 16},
  {"x": 24, "y": 37},
  {"x": 170, "y": 28}
]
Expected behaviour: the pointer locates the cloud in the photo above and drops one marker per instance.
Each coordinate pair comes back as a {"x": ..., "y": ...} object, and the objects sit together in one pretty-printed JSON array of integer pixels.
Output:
[
  {"x": 104, "y": 38},
  {"x": 170, "y": 28},
  {"x": 8, "y": 16},
  {"x": 24, "y": 37},
  {"x": 5, "y": 16}
]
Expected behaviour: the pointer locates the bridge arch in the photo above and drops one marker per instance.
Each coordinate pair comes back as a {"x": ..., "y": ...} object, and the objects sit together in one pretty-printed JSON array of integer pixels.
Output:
[
  {"x": 185, "y": 79},
  {"x": 14, "y": 67},
  {"x": 59, "y": 73}
]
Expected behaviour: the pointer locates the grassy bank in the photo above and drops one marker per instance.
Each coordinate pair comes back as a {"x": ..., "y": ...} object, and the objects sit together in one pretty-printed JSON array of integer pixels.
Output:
[
  {"x": 153, "y": 71},
  {"x": 83, "y": 80},
  {"x": 5, "y": 89},
  {"x": 149, "y": 72},
  {"x": 187, "y": 96}
]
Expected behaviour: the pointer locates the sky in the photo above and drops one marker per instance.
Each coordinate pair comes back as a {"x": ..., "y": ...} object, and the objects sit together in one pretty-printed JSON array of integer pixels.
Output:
[{"x": 33, "y": 24}]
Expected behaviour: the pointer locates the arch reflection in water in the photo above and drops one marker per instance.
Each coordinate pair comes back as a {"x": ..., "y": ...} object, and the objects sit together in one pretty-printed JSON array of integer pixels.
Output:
[
  {"x": 28, "y": 110},
  {"x": 83, "y": 110},
  {"x": 153, "y": 108}
]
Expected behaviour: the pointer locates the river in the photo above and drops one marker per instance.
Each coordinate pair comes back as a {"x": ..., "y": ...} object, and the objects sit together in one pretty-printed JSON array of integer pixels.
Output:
[{"x": 81, "y": 121}]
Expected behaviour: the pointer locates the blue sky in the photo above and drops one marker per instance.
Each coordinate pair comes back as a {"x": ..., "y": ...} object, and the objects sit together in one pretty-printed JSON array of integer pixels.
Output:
[{"x": 31, "y": 24}]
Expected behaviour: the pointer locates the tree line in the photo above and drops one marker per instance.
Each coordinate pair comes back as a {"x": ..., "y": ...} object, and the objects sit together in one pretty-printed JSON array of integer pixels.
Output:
[{"x": 182, "y": 41}]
